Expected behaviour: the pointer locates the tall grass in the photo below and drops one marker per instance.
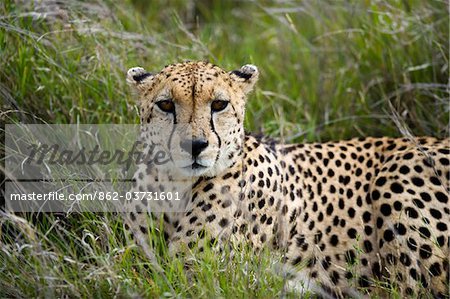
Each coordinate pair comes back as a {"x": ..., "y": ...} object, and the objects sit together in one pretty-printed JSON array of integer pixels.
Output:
[{"x": 329, "y": 70}]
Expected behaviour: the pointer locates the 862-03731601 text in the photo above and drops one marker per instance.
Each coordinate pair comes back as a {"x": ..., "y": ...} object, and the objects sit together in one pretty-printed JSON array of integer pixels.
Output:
[{"x": 97, "y": 195}]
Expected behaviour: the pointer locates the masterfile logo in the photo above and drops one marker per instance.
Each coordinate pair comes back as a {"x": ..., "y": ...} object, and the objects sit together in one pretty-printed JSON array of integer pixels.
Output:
[{"x": 96, "y": 168}]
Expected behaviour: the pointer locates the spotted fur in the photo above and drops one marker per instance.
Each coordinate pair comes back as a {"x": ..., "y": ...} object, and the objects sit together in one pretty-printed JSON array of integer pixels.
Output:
[{"x": 348, "y": 214}]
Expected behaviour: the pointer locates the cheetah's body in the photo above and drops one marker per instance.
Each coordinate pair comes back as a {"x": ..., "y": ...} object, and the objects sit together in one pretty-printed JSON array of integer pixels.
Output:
[{"x": 348, "y": 213}]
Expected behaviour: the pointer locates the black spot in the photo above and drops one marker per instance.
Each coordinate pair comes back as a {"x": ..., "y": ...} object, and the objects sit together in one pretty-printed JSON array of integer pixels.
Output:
[
  {"x": 404, "y": 169},
  {"x": 132, "y": 217},
  {"x": 351, "y": 233},
  {"x": 334, "y": 240},
  {"x": 227, "y": 176},
  {"x": 351, "y": 212},
  {"x": 143, "y": 229},
  {"x": 441, "y": 226},
  {"x": 435, "y": 181},
  {"x": 368, "y": 230},
  {"x": 341, "y": 204},
  {"x": 368, "y": 246},
  {"x": 332, "y": 189},
  {"x": 208, "y": 187},
  {"x": 400, "y": 229},
  {"x": 391, "y": 259},
  {"x": 318, "y": 237},
  {"x": 408, "y": 156},
  {"x": 334, "y": 277},
  {"x": 425, "y": 251},
  {"x": 418, "y": 169},
  {"x": 311, "y": 262},
  {"x": 375, "y": 195},
  {"x": 330, "y": 172},
  {"x": 226, "y": 203},
  {"x": 243, "y": 228},
  {"x": 291, "y": 169},
  {"x": 418, "y": 181},
  {"x": 393, "y": 167},
  {"x": 435, "y": 213},
  {"x": 296, "y": 261},
  {"x": 326, "y": 262},
  {"x": 425, "y": 196},
  {"x": 255, "y": 229},
  {"x": 263, "y": 238},
  {"x": 444, "y": 151},
  {"x": 330, "y": 209},
  {"x": 413, "y": 273},
  {"x": 441, "y": 197},
  {"x": 396, "y": 188},
  {"x": 223, "y": 222},
  {"x": 444, "y": 161},
  {"x": 412, "y": 244},
  {"x": 412, "y": 213},
  {"x": 428, "y": 162},
  {"x": 364, "y": 281},
  {"x": 376, "y": 270},
  {"x": 320, "y": 217},
  {"x": 380, "y": 181},
  {"x": 349, "y": 193},
  {"x": 435, "y": 269},
  {"x": 404, "y": 259},
  {"x": 379, "y": 222},
  {"x": 388, "y": 235},
  {"x": 263, "y": 218},
  {"x": 418, "y": 203},
  {"x": 367, "y": 145},
  {"x": 398, "y": 205},
  {"x": 350, "y": 257},
  {"x": 385, "y": 209}
]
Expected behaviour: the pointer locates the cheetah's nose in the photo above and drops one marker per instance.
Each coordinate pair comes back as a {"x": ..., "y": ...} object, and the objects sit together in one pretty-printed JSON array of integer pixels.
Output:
[{"x": 194, "y": 147}]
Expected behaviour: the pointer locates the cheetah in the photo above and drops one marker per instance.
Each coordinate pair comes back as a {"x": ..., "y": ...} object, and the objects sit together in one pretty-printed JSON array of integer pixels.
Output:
[{"x": 348, "y": 214}]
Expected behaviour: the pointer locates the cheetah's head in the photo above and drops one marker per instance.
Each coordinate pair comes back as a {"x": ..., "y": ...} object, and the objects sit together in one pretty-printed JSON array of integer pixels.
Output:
[{"x": 204, "y": 98}]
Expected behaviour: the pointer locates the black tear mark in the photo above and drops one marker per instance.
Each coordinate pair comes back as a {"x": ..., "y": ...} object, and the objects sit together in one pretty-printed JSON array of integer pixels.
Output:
[
  {"x": 219, "y": 141},
  {"x": 234, "y": 110},
  {"x": 171, "y": 134},
  {"x": 240, "y": 74},
  {"x": 140, "y": 77}
]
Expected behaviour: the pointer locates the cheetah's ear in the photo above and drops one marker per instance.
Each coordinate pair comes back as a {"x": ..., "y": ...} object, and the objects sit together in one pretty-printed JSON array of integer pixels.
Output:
[
  {"x": 137, "y": 77},
  {"x": 245, "y": 77}
]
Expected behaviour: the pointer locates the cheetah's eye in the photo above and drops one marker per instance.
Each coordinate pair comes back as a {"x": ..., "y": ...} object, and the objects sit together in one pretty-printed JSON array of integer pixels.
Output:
[
  {"x": 166, "y": 106},
  {"x": 218, "y": 105}
]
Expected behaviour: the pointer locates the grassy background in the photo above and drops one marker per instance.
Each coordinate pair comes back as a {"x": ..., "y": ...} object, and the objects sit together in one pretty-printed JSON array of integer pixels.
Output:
[{"x": 329, "y": 70}]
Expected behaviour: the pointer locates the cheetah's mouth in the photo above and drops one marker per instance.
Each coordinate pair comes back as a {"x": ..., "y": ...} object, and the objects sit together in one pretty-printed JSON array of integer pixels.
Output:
[{"x": 195, "y": 165}]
